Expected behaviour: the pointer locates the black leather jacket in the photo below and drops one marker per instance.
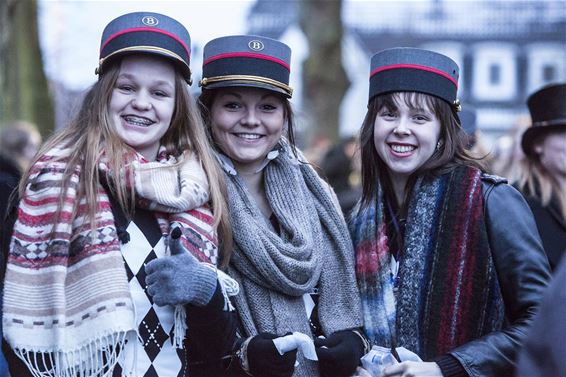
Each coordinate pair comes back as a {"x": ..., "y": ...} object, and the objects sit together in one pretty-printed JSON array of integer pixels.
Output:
[{"x": 523, "y": 273}]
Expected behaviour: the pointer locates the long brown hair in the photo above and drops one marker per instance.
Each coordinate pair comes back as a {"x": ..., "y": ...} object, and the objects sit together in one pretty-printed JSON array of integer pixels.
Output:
[
  {"x": 450, "y": 154},
  {"x": 91, "y": 134}
]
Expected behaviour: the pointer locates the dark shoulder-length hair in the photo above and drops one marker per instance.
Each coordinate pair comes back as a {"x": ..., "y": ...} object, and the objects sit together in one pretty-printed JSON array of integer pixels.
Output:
[
  {"x": 451, "y": 151},
  {"x": 206, "y": 100}
]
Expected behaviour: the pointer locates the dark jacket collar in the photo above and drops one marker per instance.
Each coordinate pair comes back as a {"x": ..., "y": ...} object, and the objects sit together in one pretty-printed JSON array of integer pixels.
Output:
[{"x": 552, "y": 207}]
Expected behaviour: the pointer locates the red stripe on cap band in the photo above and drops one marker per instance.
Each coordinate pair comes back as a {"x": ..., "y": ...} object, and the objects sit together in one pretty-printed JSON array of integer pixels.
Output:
[
  {"x": 153, "y": 30},
  {"x": 248, "y": 55},
  {"x": 414, "y": 66}
]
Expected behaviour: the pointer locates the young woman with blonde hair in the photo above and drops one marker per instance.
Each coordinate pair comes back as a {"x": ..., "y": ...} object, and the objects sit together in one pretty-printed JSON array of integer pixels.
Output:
[
  {"x": 542, "y": 172},
  {"x": 112, "y": 263}
]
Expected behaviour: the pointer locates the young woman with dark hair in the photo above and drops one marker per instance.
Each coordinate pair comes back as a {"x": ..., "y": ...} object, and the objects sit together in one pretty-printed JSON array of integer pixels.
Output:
[{"x": 448, "y": 260}]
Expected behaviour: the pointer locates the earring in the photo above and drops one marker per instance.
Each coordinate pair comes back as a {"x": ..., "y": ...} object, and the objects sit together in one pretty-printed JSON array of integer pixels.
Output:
[{"x": 439, "y": 144}]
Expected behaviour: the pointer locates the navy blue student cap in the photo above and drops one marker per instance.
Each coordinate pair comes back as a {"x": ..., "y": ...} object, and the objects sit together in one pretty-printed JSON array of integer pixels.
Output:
[
  {"x": 407, "y": 69},
  {"x": 146, "y": 32},
  {"x": 249, "y": 61}
]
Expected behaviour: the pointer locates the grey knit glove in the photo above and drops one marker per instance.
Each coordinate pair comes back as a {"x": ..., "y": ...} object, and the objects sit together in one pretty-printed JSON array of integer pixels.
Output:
[{"x": 180, "y": 278}]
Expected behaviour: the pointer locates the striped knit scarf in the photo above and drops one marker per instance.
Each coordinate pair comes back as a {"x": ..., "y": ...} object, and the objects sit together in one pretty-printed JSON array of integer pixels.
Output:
[
  {"x": 67, "y": 303},
  {"x": 448, "y": 293}
]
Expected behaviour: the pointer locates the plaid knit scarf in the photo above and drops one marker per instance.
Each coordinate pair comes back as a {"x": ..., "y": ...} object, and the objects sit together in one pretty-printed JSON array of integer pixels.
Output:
[
  {"x": 447, "y": 293},
  {"x": 67, "y": 303}
]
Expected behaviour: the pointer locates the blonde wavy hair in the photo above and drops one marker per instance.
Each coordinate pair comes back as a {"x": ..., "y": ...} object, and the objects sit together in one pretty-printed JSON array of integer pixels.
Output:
[
  {"x": 91, "y": 134},
  {"x": 534, "y": 178}
]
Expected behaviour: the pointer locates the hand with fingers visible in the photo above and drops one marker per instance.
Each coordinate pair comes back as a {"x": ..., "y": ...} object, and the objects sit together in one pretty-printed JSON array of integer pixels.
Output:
[
  {"x": 179, "y": 278},
  {"x": 339, "y": 354},
  {"x": 413, "y": 369},
  {"x": 259, "y": 357}
]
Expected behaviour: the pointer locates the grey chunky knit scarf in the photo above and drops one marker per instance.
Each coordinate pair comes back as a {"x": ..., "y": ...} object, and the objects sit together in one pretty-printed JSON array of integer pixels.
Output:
[{"x": 312, "y": 250}]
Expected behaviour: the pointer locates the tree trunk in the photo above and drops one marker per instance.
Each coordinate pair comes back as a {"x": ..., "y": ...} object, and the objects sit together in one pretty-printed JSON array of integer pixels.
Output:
[
  {"x": 24, "y": 89},
  {"x": 324, "y": 79}
]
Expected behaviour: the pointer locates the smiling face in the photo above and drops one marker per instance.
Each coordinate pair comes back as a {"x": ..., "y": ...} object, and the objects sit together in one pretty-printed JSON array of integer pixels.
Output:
[
  {"x": 406, "y": 133},
  {"x": 143, "y": 102},
  {"x": 246, "y": 124}
]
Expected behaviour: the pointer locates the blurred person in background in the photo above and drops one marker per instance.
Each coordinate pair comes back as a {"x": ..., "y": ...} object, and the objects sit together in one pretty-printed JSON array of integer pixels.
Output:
[
  {"x": 292, "y": 254},
  {"x": 469, "y": 126},
  {"x": 19, "y": 141},
  {"x": 340, "y": 165},
  {"x": 543, "y": 353},
  {"x": 474, "y": 139},
  {"x": 449, "y": 262},
  {"x": 507, "y": 151},
  {"x": 542, "y": 171}
]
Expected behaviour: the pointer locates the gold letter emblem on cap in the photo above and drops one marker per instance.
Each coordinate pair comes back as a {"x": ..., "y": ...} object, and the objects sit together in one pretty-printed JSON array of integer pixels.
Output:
[
  {"x": 150, "y": 21},
  {"x": 255, "y": 45}
]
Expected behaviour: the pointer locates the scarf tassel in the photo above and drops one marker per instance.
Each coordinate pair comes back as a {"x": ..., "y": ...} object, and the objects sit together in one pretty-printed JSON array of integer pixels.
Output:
[
  {"x": 96, "y": 359},
  {"x": 230, "y": 287},
  {"x": 180, "y": 327}
]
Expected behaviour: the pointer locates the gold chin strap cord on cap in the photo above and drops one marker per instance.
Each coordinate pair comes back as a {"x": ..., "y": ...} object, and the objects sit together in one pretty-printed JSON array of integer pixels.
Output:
[{"x": 264, "y": 80}]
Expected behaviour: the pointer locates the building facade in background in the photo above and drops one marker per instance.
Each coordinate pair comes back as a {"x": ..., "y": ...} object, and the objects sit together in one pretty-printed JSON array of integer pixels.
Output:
[{"x": 505, "y": 49}]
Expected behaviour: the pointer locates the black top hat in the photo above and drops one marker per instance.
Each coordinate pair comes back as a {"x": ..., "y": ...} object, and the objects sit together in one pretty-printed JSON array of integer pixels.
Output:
[
  {"x": 146, "y": 32},
  {"x": 407, "y": 69},
  {"x": 247, "y": 60},
  {"x": 548, "y": 113}
]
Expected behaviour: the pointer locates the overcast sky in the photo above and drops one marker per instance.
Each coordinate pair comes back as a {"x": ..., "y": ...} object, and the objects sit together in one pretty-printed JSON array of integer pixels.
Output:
[{"x": 70, "y": 30}]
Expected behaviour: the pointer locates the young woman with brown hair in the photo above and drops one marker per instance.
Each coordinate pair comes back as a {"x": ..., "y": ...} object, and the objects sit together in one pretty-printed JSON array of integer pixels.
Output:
[
  {"x": 448, "y": 261},
  {"x": 292, "y": 253}
]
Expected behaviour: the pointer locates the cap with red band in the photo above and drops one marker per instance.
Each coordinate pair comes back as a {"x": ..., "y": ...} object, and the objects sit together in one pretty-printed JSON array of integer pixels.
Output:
[
  {"x": 247, "y": 60},
  {"x": 146, "y": 32},
  {"x": 407, "y": 69}
]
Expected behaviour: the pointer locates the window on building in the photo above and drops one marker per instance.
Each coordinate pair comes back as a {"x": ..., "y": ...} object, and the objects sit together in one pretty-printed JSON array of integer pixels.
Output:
[
  {"x": 546, "y": 63},
  {"x": 495, "y": 74},
  {"x": 548, "y": 73}
]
